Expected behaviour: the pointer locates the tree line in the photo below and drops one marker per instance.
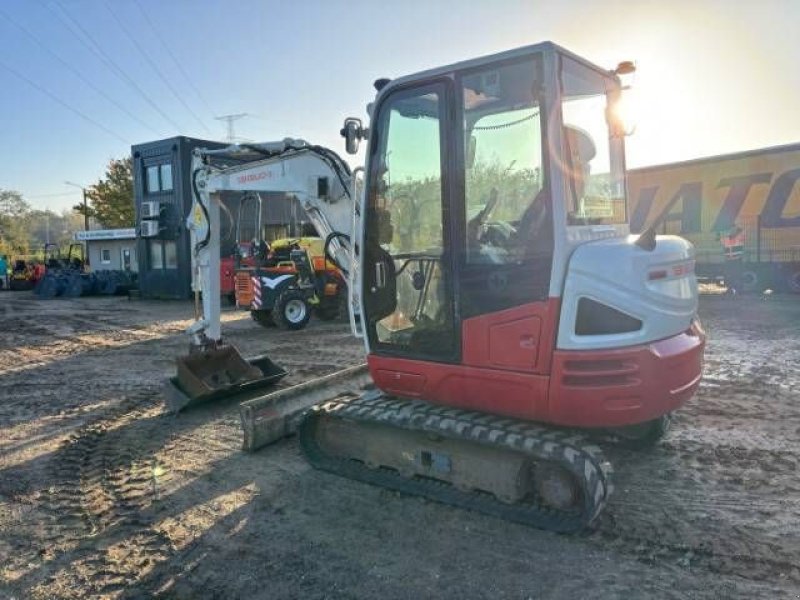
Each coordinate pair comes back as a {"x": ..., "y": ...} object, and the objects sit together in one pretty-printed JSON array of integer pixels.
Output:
[{"x": 24, "y": 231}]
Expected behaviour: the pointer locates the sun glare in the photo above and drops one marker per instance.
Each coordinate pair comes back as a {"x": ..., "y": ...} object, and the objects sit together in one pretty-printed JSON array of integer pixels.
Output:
[{"x": 626, "y": 111}]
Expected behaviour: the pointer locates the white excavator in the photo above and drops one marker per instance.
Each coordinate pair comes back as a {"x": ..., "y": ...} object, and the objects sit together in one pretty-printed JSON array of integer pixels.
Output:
[{"x": 506, "y": 311}]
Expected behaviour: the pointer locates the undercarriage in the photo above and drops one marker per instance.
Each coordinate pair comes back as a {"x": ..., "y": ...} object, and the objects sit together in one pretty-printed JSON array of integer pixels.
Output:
[{"x": 515, "y": 470}]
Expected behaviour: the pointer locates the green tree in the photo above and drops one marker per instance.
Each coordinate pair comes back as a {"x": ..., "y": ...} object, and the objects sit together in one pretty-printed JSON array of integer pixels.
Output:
[
  {"x": 111, "y": 198},
  {"x": 14, "y": 211}
]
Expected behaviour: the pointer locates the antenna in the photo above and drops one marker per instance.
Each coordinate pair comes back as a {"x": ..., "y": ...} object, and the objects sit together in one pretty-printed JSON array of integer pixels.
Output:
[{"x": 229, "y": 119}]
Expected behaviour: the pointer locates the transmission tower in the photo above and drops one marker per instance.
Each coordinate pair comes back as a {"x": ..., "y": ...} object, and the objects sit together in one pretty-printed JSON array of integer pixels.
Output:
[{"x": 229, "y": 119}]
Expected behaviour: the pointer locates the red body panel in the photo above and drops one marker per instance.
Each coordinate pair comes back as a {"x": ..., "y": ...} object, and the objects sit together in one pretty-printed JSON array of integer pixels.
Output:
[
  {"x": 511, "y": 368},
  {"x": 627, "y": 385},
  {"x": 227, "y": 271},
  {"x": 517, "y": 339},
  {"x": 227, "y": 275}
]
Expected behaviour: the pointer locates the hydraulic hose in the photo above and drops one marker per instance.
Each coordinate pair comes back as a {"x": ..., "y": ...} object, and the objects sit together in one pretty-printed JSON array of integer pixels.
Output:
[
  {"x": 326, "y": 251},
  {"x": 202, "y": 244}
]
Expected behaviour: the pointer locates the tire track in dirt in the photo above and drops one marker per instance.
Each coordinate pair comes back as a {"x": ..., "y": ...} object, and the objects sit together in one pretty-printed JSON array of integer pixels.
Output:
[
  {"x": 24, "y": 358},
  {"x": 103, "y": 487},
  {"x": 709, "y": 504},
  {"x": 39, "y": 410},
  {"x": 720, "y": 492},
  {"x": 671, "y": 540}
]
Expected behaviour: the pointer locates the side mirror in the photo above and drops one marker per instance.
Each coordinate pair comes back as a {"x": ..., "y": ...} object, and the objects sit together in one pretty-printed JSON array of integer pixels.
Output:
[{"x": 352, "y": 132}]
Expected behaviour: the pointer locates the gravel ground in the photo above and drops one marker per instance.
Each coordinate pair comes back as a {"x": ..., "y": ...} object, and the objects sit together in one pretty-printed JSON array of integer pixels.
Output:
[{"x": 104, "y": 495}]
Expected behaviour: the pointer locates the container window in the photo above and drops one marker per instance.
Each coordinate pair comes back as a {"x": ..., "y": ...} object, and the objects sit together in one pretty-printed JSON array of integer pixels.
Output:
[
  {"x": 166, "y": 178},
  {"x": 171, "y": 255},
  {"x": 152, "y": 179},
  {"x": 156, "y": 255},
  {"x": 159, "y": 178}
]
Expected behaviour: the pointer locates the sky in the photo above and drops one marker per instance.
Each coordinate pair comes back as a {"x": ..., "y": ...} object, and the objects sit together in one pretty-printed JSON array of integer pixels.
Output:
[{"x": 83, "y": 80}]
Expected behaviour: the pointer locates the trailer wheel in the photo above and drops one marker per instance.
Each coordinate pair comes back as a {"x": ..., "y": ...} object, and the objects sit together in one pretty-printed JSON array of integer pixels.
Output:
[
  {"x": 292, "y": 310},
  {"x": 748, "y": 281},
  {"x": 263, "y": 317},
  {"x": 793, "y": 281}
]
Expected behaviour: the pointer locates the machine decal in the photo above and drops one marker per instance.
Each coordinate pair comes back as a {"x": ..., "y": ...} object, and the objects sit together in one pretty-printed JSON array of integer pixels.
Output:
[
  {"x": 273, "y": 283},
  {"x": 250, "y": 177}
]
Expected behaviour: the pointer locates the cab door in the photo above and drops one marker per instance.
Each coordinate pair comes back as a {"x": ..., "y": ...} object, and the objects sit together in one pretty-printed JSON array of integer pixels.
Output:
[{"x": 407, "y": 277}]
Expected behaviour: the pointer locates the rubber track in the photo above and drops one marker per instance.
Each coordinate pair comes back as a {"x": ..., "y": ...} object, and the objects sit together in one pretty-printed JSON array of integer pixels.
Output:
[{"x": 564, "y": 448}]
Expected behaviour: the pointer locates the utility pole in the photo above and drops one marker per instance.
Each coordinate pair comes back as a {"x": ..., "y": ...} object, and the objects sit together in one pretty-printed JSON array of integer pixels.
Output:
[
  {"x": 229, "y": 119},
  {"x": 85, "y": 219},
  {"x": 85, "y": 205}
]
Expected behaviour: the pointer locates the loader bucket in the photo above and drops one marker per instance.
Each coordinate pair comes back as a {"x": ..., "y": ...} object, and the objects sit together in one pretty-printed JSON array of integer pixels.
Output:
[{"x": 216, "y": 374}]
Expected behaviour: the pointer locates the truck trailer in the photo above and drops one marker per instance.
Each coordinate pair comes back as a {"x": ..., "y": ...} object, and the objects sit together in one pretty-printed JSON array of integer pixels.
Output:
[{"x": 754, "y": 195}]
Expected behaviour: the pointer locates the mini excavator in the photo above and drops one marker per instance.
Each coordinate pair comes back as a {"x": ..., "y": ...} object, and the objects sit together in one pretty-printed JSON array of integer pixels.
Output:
[{"x": 506, "y": 310}]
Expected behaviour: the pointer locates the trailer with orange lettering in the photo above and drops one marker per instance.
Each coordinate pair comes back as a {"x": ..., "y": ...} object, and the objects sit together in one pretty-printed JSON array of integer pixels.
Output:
[{"x": 715, "y": 202}]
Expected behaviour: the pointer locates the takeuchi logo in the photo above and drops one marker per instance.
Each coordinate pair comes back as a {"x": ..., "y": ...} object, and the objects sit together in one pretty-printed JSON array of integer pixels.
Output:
[{"x": 250, "y": 177}]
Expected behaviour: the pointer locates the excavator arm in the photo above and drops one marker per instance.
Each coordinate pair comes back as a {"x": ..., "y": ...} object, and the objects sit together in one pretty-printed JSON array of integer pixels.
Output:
[
  {"x": 325, "y": 187},
  {"x": 320, "y": 180}
]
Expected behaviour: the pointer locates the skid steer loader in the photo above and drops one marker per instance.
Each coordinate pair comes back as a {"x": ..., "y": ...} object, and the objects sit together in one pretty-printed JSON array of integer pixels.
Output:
[
  {"x": 295, "y": 281},
  {"x": 504, "y": 307}
]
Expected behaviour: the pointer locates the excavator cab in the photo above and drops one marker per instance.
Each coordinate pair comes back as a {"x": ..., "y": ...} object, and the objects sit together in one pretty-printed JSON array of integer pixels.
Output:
[
  {"x": 497, "y": 257},
  {"x": 475, "y": 211}
]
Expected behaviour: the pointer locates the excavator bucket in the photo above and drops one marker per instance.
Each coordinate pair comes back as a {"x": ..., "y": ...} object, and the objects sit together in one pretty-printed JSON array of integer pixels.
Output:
[{"x": 217, "y": 374}]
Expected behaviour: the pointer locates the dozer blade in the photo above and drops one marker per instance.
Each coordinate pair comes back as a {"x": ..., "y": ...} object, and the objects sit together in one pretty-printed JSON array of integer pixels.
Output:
[
  {"x": 268, "y": 418},
  {"x": 215, "y": 374}
]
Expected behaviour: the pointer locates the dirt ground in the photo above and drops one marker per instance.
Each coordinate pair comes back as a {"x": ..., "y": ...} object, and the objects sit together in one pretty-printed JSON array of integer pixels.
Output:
[{"x": 103, "y": 494}]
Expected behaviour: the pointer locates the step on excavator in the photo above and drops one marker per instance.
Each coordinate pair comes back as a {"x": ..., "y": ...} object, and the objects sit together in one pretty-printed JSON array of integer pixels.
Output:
[{"x": 505, "y": 309}]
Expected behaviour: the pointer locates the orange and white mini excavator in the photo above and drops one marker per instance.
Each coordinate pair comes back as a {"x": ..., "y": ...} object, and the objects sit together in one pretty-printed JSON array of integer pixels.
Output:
[{"x": 503, "y": 304}]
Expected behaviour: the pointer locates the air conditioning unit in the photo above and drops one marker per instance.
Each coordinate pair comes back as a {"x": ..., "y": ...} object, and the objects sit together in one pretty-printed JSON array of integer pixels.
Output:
[
  {"x": 148, "y": 229},
  {"x": 151, "y": 209}
]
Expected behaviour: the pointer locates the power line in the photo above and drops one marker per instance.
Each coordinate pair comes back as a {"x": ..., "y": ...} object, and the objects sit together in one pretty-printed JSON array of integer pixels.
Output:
[
  {"x": 155, "y": 67},
  {"x": 172, "y": 56},
  {"x": 75, "y": 71},
  {"x": 64, "y": 104},
  {"x": 95, "y": 49}
]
